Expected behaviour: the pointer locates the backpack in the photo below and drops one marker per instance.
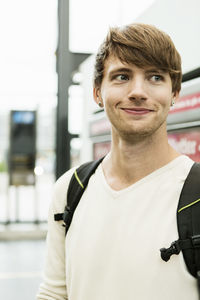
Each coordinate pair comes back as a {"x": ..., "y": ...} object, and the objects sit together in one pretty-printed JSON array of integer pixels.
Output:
[{"x": 188, "y": 214}]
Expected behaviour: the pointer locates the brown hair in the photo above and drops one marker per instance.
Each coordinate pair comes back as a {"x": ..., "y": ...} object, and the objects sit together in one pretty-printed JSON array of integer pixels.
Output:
[{"x": 141, "y": 45}]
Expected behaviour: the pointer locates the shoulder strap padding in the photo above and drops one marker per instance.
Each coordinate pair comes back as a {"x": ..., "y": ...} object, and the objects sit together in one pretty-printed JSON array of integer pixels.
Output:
[
  {"x": 188, "y": 218},
  {"x": 77, "y": 186}
]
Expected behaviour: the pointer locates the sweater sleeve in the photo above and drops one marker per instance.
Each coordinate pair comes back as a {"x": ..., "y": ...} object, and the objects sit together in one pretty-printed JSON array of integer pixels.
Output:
[{"x": 53, "y": 286}]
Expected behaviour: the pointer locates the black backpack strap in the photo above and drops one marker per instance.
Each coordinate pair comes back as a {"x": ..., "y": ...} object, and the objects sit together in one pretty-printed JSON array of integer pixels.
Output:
[
  {"x": 188, "y": 220},
  {"x": 76, "y": 188}
]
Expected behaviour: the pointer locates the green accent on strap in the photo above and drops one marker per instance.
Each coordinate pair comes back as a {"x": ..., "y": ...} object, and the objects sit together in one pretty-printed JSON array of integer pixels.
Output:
[
  {"x": 77, "y": 178},
  {"x": 198, "y": 200}
]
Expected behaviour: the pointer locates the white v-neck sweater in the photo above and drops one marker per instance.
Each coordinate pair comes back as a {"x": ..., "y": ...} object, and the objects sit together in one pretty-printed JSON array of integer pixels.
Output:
[{"x": 111, "y": 251}]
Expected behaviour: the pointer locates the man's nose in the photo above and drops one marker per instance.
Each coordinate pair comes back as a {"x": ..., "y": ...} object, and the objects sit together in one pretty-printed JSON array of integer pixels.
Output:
[{"x": 137, "y": 89}]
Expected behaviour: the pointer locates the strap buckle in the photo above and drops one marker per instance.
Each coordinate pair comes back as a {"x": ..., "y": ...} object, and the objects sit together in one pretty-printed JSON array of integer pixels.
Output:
[
  {"x": 166, "y": 253},
  {"x": 67, "y": 216}
]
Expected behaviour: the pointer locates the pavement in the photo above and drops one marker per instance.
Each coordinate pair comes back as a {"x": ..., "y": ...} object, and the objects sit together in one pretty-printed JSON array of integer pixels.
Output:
[
  {"x": 22, "y": 239},
  {"x": 21, "y": 267}
]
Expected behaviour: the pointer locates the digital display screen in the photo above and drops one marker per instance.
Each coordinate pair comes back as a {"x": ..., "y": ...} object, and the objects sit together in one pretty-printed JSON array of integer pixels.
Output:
[
  {"x": 23, "y": 117},
  {"x": 23, "y": 131}
]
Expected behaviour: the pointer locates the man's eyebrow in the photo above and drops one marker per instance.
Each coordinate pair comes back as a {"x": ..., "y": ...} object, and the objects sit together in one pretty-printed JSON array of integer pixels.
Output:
[
  {"x": 119, "y": 70},
  {"x": 155, "y": 70}
]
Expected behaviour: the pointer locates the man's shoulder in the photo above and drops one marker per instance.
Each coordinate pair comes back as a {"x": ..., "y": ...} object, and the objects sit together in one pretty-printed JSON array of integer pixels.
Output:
[
  {"x": 63, "y": 181},
  {"x": 60, "y": 191},
  {"x": 184, "y": 161},
  {"x": 61, "y": 187}
]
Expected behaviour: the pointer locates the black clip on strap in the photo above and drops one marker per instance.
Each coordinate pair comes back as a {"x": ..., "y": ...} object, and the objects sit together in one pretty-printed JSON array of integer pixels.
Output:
[
  {"x": 67, "y": 217},
  {"x": 173, "y": 249}
]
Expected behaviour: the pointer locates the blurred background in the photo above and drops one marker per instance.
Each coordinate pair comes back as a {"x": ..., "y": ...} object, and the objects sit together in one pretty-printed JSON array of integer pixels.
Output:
[{"x": 48, "y": 119}]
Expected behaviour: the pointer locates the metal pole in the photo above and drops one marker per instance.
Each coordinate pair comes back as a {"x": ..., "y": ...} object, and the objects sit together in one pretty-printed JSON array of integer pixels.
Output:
[
  {"x": 36, "y": 204},
  {"x": 17, "y": 204},
  {"x": 64, "y": 81},
  {"x": 67, "y": 62}
]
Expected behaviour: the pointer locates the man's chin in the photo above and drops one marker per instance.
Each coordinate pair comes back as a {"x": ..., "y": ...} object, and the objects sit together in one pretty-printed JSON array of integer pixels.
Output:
[{"x": 133, "y": 135}]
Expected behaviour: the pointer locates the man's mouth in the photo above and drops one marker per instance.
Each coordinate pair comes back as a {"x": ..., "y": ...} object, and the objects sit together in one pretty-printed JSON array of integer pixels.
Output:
[{"x": 137, "y": 110}]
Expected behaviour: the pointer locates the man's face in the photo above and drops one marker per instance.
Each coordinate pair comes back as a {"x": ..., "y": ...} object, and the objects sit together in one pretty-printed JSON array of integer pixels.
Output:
[{"x": 136, "y": 100}]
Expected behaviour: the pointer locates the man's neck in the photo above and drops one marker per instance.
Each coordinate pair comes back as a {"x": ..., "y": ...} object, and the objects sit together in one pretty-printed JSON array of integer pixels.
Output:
[{"x": 129, "y": 162}]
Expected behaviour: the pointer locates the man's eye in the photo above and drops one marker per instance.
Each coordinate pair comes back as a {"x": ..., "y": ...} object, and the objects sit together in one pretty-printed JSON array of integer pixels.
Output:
[
  {"x": 121, "y": 77},
  {"x": 157, "y": 78}
]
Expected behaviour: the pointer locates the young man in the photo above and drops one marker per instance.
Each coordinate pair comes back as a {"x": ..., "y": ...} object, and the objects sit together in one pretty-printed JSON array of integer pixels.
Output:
[{"x": 128, "y": 211}]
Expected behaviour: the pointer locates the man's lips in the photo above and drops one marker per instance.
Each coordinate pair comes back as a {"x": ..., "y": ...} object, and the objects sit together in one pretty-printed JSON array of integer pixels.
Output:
[{"x": 137, "y": 110}]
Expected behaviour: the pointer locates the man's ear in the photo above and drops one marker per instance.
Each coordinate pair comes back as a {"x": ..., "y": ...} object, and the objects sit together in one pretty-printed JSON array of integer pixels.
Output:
[
  {"x": 176, "y": 96},
  {"x": 97, "y": 96}
]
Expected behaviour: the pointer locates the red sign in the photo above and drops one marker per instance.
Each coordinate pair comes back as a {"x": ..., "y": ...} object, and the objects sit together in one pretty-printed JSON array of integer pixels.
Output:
[
  {"x": 187, "y": 143},
  {"x": 186, "y": 103}
]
